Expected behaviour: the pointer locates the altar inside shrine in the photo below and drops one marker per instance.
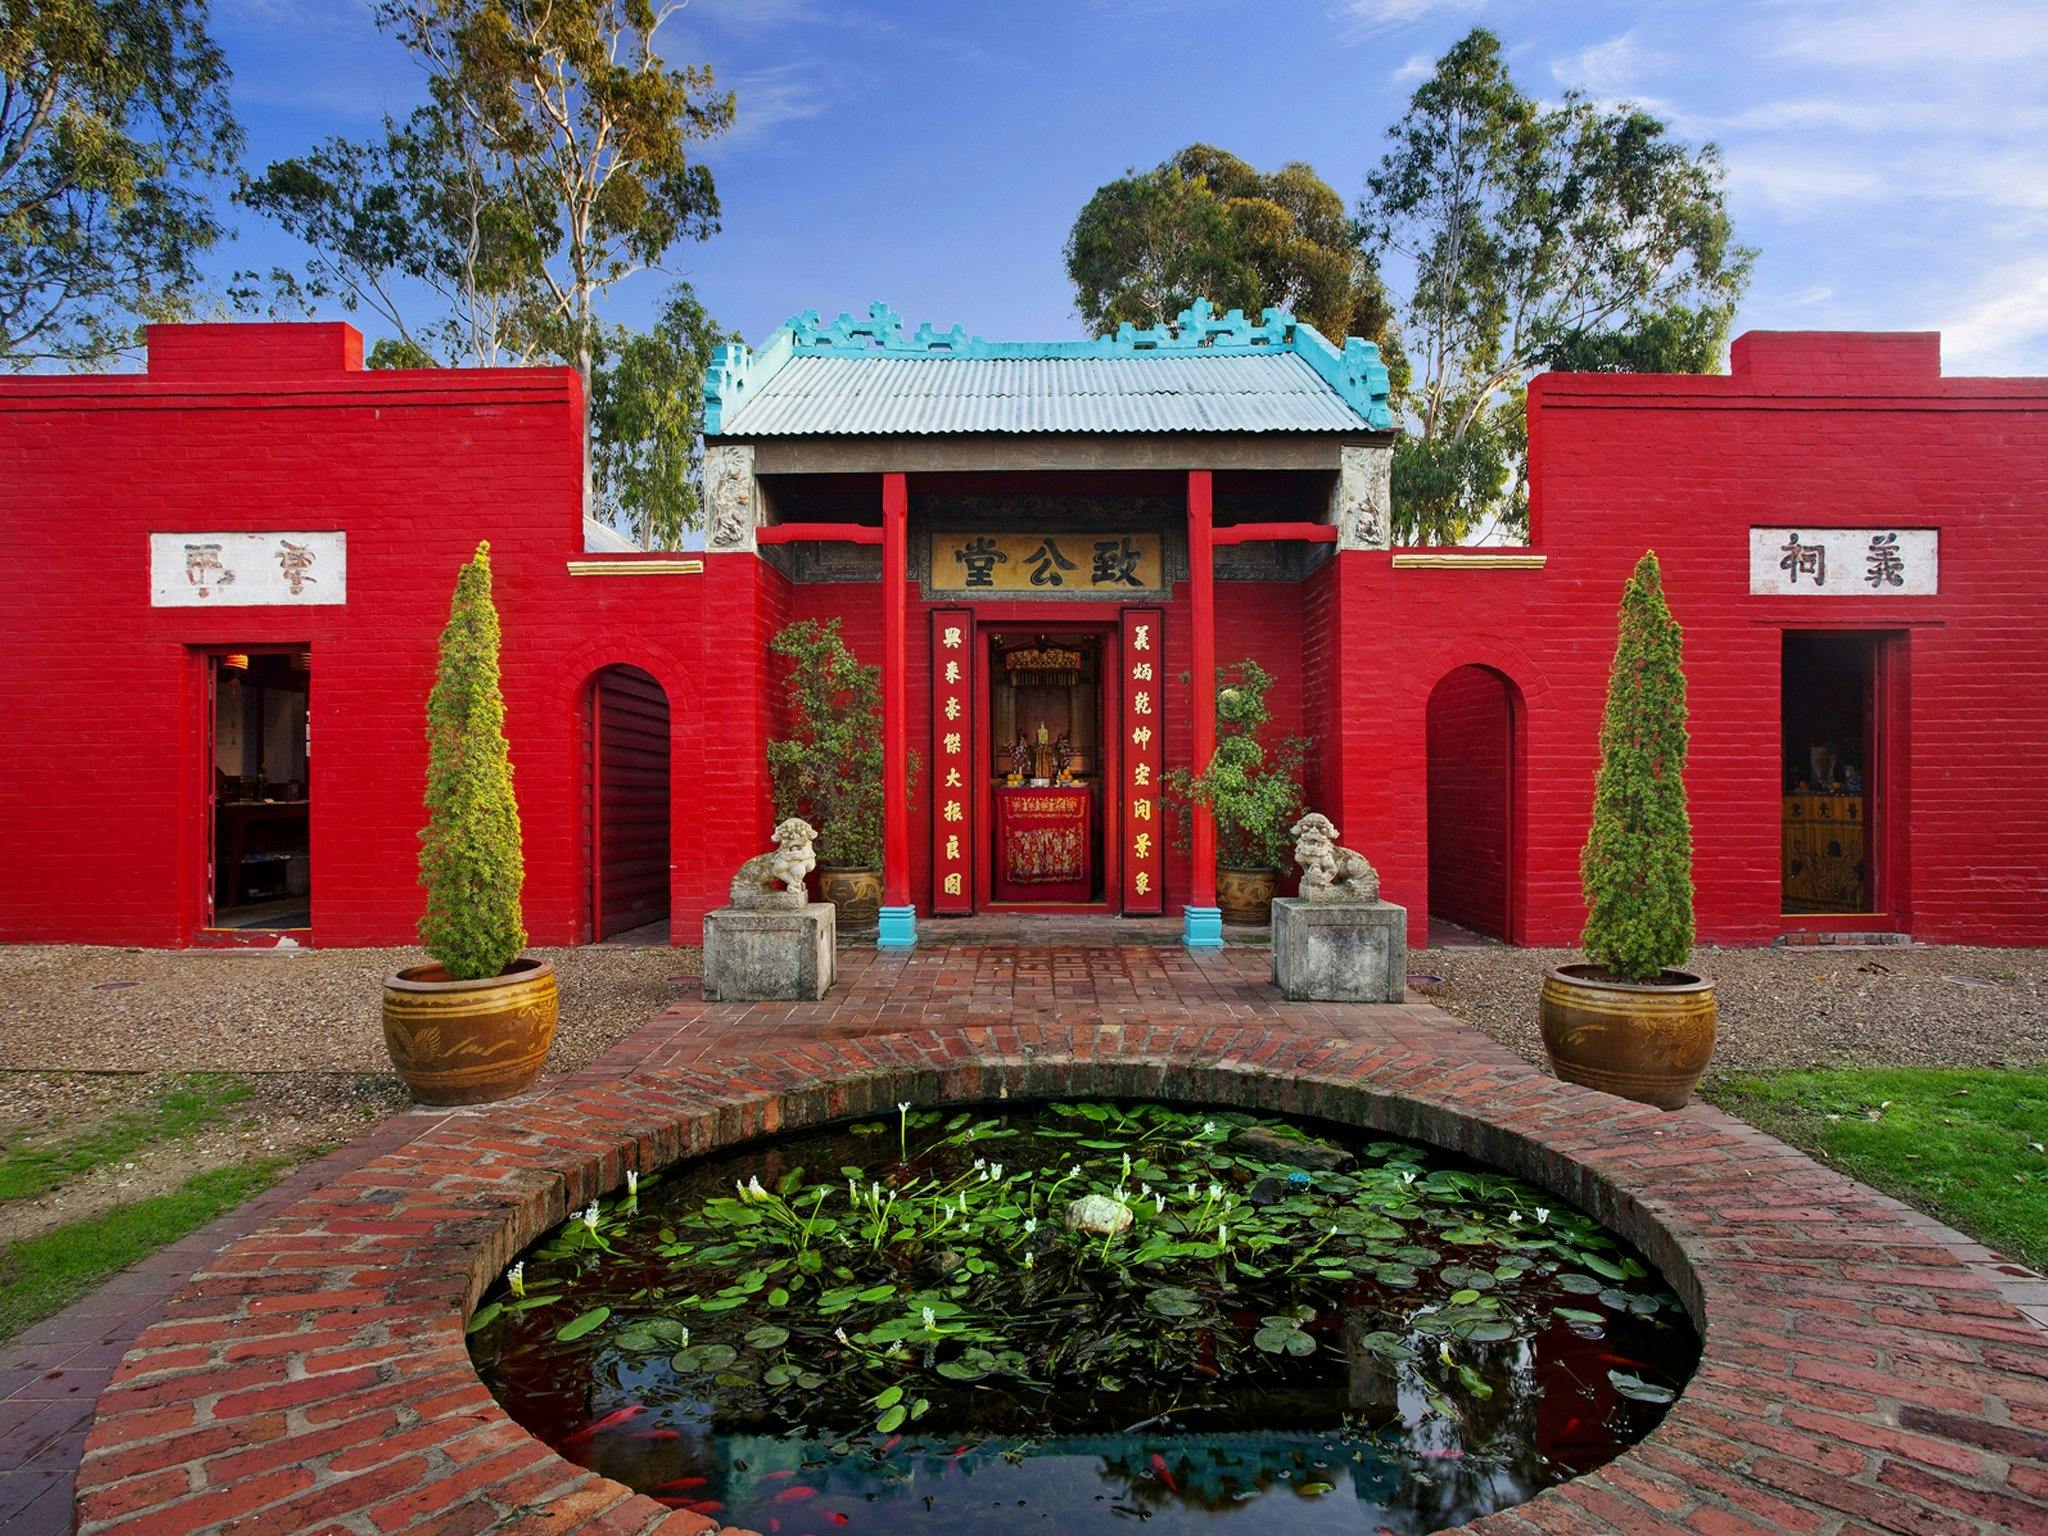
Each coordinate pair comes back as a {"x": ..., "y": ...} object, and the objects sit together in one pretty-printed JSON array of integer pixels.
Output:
[{"x": 1045, "y": 843}]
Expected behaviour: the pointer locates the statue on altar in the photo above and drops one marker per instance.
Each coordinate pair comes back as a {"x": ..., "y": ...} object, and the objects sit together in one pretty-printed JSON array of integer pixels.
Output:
[{"x": 1041, "y": 757}]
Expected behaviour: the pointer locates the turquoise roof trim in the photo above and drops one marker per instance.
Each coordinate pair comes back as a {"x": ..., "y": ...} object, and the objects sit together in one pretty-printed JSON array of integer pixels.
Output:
[{"x": 1355, "y": 372}]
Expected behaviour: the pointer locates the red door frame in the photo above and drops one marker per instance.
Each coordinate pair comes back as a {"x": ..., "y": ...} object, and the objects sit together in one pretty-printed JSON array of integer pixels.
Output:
[
  {"x": 203, "y": 933},
  {"x": 1884, "y": 738},
  {"x": 1105, "y": 622}
]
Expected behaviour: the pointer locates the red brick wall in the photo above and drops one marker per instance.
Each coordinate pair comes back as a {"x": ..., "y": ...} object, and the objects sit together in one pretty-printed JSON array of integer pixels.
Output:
[
  {"x": 1810, "y": 429},
  {"x": 103, "y": 788},
  {"x": 1470, "y": 724}
]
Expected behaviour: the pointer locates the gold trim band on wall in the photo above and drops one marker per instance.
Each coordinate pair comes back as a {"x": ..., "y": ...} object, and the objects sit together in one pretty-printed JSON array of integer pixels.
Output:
[
  {"x": 1417, "y": 560},
  {"x": 630, "y": 567}
]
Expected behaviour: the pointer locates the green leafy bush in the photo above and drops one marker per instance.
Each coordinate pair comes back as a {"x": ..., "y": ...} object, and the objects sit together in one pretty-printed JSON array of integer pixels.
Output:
[
  {"x": 829, "y": 769},
  {"x": 470, "y": 859},
  {"x": 1253, "y": 792},
  {"x": 1637, "y": 863}
]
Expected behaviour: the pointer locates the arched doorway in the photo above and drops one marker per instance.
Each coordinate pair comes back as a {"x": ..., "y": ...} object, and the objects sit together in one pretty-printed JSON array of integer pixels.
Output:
[
  {"x": 629, "y": 802},
  {"x": 1471, "y": 732}
]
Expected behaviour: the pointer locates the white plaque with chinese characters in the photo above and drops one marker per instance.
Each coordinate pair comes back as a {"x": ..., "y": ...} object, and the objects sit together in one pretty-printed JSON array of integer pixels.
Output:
[
  {"x": 1845, "y": 562},
  {"x": 247, "y": 570}
]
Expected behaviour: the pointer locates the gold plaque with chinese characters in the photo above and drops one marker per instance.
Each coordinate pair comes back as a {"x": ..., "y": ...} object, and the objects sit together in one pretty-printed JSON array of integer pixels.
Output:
[{"x": 1069, "y": 565}]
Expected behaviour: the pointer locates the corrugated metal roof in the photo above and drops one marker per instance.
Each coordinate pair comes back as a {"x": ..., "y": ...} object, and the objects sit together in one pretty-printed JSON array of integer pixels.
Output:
[{"x": 1276, "y": 392}]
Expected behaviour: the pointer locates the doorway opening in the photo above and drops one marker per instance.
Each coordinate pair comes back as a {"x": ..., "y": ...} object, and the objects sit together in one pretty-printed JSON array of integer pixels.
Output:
[
  {"x": 1470, "y": 731},
  {"x": 1831, "y": 764},
  {"x": 261, "y": 771},
  {"x": 629, "y": 806},
  {"x": 1046, "y": 754}
]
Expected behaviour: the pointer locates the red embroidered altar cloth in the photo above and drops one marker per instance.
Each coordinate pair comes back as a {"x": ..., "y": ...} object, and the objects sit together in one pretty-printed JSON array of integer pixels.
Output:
[{"x": 1042, "y": 843}]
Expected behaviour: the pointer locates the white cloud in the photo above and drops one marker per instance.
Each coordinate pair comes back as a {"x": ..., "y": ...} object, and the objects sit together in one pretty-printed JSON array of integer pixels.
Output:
[
  {"x": 1610, "y": 69},
  {"x": 768, "y": 98},
  {"x": 1362, "y": 18},
  {"x": 1917, "y": 36},
  {"x": 1799, "y": 183},
  {"x": 1415, "y": 68},
  {"x": 2003, "y": 326}
]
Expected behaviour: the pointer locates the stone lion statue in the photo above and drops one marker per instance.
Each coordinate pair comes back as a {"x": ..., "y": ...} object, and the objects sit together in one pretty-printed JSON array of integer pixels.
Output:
[
  {"x": 756, "y": 884},
  {"x": 1330, "y": 872}
]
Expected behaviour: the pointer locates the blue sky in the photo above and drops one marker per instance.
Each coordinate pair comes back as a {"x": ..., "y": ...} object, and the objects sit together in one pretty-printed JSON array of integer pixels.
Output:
[{"x": 1889, "y": 159}]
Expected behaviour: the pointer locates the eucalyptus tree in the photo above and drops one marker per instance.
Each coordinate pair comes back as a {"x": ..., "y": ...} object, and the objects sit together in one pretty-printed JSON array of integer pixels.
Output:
[
  {"x": 114, "y": 117},
  {"x": 420, "y": 229},
  {"x": 586, "y": 128},
  {"x": 1537, "y": 236}
]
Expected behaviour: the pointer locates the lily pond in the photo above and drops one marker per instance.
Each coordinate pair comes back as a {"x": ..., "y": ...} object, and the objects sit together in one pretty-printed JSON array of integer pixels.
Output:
[{"x": 1075, "y": 1317}]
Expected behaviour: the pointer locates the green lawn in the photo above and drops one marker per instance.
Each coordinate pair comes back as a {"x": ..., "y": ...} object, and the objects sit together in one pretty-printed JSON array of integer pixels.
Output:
[
  {"x": 46, "y": 1273},
  {"x": 43, "y": 1274},
  {"x": 1965, "y": 1146},
  {"x": 190, "y": 1103}
]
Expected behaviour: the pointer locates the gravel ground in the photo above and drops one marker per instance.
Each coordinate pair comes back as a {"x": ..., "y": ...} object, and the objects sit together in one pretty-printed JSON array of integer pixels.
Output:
[
  {"x": 85, "y": 1009},
  {"x": 1905, "y": 1005}
]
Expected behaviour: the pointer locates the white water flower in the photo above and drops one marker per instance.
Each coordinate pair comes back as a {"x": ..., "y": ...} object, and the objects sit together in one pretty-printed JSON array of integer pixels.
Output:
[
  {"x": 1543, "y": 1214},
  {"x": 1407, "y": 1175},
  {"x": 632, "y": 1184},
  {"x": 1443, "y": 1352},
  {"x": 875, "y": 1189},
  {"x": 981, "y": 1162},
  {"x": 903, "y": 1108},
  {"x": 1514, "y": 1218},
  {"x": 840, "y": 1335},
  {"x": 1208, "y": 1127},
  {"x": 995, "y": 1171},
  {"x": 1144, "y": 1190},
  {"x": 590, "y": 1216},
  {"x": 754, "y": 1189},
  {"x": 931, "y": 1319},
  {"x": 1215, "y": 1191},
  {"x": 686, "y": 1340},
  {"x": 1030, "y": 1225},
  {"x": 515, "y": 1278},
  {"x": 1222, "y": 1235},
  {"x": 1027, "y": 1261},
  {"x": 1127, "y": 1165},
  {"x": 1159, "y": 1204},
  {"x": 1191, "y": 1191},
  {"x": 963, "y": 1202}
]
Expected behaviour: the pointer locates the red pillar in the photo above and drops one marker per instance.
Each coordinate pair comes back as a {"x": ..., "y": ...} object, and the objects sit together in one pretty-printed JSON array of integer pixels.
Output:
[
  {"x": 898, "y": 924},
  {"x": 1202, "y": 921}
]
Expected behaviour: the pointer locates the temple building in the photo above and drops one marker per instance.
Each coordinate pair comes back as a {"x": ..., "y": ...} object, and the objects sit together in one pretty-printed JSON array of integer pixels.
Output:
[{"x": 226, "y": 577}]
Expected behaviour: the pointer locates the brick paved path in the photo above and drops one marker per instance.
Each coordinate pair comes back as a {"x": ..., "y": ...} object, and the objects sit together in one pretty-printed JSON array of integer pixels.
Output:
[
  {"x": 1857, "y": 1376},
  {"x": 52, "y": 1372}
]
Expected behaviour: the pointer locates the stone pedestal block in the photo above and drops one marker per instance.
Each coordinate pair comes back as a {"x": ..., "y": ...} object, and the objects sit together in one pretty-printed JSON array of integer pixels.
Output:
[
  {"x": 1340, "y": 951},
  {"x": 757, "y": 955}
]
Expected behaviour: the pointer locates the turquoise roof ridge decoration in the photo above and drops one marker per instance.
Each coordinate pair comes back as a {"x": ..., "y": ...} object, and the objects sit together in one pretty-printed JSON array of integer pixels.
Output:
[{"x": 1353, "y": 371}]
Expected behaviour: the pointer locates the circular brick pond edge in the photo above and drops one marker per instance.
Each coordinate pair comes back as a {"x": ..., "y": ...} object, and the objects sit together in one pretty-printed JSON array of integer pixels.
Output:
[{"x": 313, "y": 1377}]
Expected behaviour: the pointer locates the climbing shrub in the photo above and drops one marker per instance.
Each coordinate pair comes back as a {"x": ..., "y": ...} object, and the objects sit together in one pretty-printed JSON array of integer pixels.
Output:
[
  {"x": 470, "y": 859},
  {"x": 1637, "y": 863}
]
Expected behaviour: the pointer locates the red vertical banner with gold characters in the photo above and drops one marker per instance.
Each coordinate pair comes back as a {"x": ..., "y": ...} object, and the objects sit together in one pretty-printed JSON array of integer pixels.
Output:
[
  {"x": 952, "y": 761},
  {"x": 1144, "y": 757}
]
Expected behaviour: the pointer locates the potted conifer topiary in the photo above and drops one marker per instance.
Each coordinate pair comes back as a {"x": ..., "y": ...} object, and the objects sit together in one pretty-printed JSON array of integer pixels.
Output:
[
  {"x": 475, "y": 1024},
  {"x": 1252, "y": 791},
  {"x": 828, "y": 770},
  {"x": 1628, "y": 1019}
]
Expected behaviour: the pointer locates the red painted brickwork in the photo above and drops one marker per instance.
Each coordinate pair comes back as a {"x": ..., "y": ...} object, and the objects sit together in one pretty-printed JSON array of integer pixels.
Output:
[
  {"x": 1470, "y": 740},
  {"x": 1818, "y": 429},
  {"x": 276, "y": 427},
  {"x": 103, "y": 785}
]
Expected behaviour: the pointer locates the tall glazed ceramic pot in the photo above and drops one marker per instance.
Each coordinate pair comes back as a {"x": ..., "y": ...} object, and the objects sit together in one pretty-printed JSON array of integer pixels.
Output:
[
  {"x": 1647, "y": 1041},
  {"x": 469, "y": 1042},
  {"x": 1246, "y": 895},
  {"x": 855, "y": 894}
]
